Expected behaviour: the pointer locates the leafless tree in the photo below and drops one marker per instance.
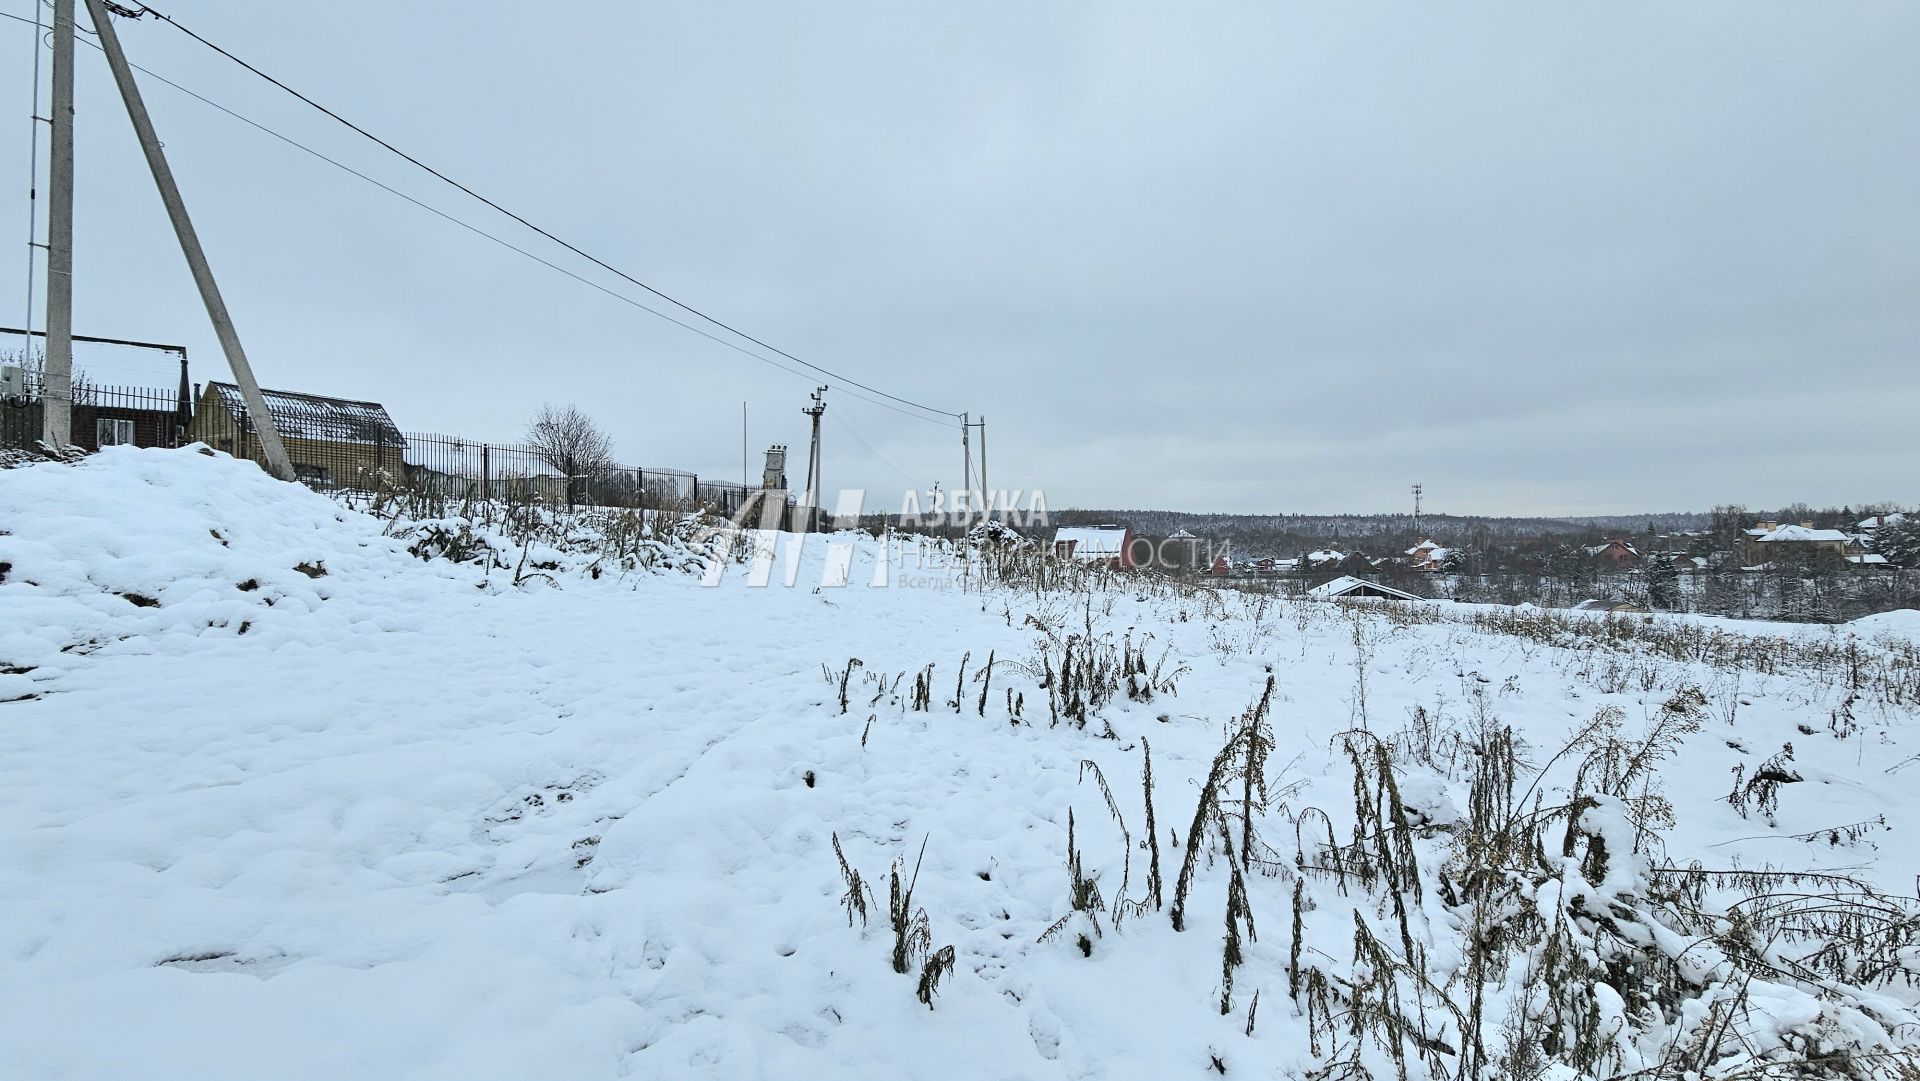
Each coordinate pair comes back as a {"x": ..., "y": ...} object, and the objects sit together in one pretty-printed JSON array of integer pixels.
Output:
[{"x": 570, "y": 442}]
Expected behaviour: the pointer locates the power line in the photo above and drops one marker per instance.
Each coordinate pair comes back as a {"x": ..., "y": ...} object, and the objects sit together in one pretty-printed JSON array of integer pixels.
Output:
[
  {"x": 169, "y": 20},
  {"x": 845, "y": 418},
  {"x": 858, "y": 431},
  {"x": 510, "y": 246},
  {"x": 33, "y": 176}
]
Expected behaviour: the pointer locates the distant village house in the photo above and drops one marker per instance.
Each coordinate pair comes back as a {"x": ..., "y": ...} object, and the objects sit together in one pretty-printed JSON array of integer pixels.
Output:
[
  {"x": 1110, "y": 545},
  {"x": 1616, "y": 553}
]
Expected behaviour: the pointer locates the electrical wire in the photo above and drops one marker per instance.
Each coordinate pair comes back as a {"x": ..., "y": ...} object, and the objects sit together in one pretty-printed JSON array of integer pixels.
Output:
[
  {"x": 844, "y": 418},
  {"x": 169, "y": 20},
  {"x": 509, "y": 245},
  {"x": 33, "y": 179}
]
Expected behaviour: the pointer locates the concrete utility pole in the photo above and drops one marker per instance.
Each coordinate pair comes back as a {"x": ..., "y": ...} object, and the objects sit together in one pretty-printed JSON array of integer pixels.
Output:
[
  {"x": 983, "y": 458},
  {"x": 966, "y": 470},
  {"x": 812, "y": 497},
  {"x": 275, "y": 452},
  {"x": 56, "y": 395}
]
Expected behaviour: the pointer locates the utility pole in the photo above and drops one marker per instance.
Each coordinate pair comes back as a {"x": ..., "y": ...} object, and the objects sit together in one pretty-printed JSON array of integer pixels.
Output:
[
  {"x": 811, "y": 498},
  {"x": 275, "y": 452},
  {"x": 983, "y": 460},
  {"x": 33, "y": 181},
  {"x": 966, "y": 473},
  {"x": 56, "y": 395}
]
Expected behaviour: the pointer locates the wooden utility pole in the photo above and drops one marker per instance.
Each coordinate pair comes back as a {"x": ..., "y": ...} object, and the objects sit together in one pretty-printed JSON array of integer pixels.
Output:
[
  {"x": 56, "y": 394},
  {"x": 271, "y": 448}
]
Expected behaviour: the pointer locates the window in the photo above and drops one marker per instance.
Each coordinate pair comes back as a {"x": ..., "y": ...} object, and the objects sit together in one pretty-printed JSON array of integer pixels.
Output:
[
  {"x": 113, "y": 432},
  {"x": 313, "y": 476}
]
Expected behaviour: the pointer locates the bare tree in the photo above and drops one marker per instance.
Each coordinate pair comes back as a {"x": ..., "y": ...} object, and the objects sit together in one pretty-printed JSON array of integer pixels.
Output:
[{"x": 570, "y": 442}]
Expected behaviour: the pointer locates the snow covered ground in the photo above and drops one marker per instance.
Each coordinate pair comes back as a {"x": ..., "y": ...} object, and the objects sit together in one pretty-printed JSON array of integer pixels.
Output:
[{"x": 279, "y": 798}]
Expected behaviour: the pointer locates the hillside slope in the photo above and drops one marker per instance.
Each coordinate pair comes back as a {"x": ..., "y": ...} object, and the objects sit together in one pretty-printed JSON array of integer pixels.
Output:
[{"x": 287, "y": 793}]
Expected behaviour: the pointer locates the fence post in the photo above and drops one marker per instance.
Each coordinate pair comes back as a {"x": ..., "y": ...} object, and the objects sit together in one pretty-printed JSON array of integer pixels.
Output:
[
  {"x": 486, "y": 471},
  {"x": 696, "y": 491}
]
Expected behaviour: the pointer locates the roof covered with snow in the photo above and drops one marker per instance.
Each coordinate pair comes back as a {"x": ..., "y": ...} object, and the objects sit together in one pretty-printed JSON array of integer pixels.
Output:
[
  {"x": 1607, "y": 606},
  {"x": 1348, "y": 585},
  {"x": 311, "y": 416},
  {"x": 1803, "y": 535},
  {"x": 1092, "y": 541}
]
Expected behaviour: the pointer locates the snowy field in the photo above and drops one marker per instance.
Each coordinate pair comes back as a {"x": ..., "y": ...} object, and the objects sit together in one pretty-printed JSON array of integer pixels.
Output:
[{"x": 282, "y": 798}]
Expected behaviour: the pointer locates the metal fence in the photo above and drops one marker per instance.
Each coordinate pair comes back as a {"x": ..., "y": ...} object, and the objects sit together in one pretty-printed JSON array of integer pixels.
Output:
[
  {"x": 103, "y": 416},
  {"x": 457, "y": 467},
  {"x": 341, "y": 445}
]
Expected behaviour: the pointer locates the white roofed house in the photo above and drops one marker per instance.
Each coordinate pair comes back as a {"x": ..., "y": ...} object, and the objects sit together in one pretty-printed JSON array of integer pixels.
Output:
[
  {"x": 1351, "y": 588},
  {"x": 1790, "y": 541},
  {"x": 1111, "y": 545},
  {"x": 1429, "y": 555},
  {"x": 1330, "y": 556}
]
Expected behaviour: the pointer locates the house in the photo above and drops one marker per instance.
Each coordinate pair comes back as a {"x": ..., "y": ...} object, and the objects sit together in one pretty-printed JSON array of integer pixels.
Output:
[
  {"x": 1429, "y": 555},
  {"x": 130, "y": 416},
  {"x": 1110, "y": 545},
  {"x": 1350, "y": 588},
  {"x": 333, "y": 442},
  {"x": 1330, "y": 556},
  {"x": 1770, "y": 541},
  {"x": 1616, "y": 607},
  {"x": 144, "y": 412},
  {"x": 1180, "y": 551},
  {"x": 1617, "y": 553},
  {"x": 1870, "y": 525}
]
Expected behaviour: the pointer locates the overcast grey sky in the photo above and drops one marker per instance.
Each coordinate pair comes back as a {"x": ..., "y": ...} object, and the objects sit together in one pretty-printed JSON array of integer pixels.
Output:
[{"x": 1259, "y": 258}]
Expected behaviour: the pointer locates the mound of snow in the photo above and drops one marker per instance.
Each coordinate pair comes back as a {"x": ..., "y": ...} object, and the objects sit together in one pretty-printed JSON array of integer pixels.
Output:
[
  {"x": 1900, "y": 623},
  {"x": 151, "y": 547}
]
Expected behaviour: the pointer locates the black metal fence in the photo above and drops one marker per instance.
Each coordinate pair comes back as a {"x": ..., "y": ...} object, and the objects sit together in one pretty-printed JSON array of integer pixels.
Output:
[{"x": 103, "y": 416}]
